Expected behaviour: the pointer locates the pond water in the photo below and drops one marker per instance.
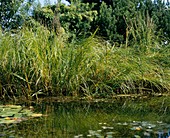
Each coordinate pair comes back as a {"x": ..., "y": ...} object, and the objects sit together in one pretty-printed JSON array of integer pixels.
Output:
[{"x": 123, "y": 118}]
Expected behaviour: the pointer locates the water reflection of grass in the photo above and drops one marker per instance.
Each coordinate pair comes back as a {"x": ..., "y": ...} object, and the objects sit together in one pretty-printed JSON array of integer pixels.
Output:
[{"x": 65, "y": 120}]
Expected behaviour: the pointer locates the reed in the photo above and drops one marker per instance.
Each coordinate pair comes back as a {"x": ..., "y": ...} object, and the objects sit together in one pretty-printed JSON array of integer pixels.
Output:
[{"x": 34, "y": 63}]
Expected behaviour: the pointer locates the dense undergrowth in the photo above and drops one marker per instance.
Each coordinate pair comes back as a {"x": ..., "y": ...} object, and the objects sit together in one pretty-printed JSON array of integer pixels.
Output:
[{"x": 34, "y": 63}]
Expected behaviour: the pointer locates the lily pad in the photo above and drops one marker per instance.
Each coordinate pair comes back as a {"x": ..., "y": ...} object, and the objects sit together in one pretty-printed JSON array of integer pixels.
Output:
[
  {"x": 7, "y": 115},
  {"x": 11, "y": 106},
  {"x": 7, "y": 121},
  {"x": 36, "y": 115},
  {"x": 15, "y": 114},
  {"x": 18, "y": 115}
]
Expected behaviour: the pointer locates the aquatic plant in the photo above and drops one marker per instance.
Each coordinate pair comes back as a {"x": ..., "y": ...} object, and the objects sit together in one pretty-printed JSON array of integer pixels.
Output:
[
  {"x": 34, "y": 63},
  {"x": 10, "y": 114}
]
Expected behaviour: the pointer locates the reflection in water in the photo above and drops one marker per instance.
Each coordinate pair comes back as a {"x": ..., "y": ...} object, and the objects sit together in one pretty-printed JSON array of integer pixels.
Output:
[
  {"x": 122, "y": 119},
  {"x": 164, "y": 134},
  {"x": 135, "y": 129}
]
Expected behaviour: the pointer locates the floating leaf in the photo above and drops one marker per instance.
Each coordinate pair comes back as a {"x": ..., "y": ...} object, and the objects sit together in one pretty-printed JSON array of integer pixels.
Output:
[
  {"x": 36, "y": 115},
  {"x": 18, "y": 115},
  {"x": 137, "y": 136},
  {"x": 109, "y": 133},
  {"x": 7, "y": 115},
  {"x": 7, "y": 121},
  {"x": 138, "y": 128},
  {"x": 7, "y": 118},
  {"x": 15, "y": 114},
  {"x": 13, "y": 106},
  {"x": 26, "y": 112}
]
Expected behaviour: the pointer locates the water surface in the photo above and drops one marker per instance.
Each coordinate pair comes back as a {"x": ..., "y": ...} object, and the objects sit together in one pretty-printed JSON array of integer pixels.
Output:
[{"x": 96, "y": 119}]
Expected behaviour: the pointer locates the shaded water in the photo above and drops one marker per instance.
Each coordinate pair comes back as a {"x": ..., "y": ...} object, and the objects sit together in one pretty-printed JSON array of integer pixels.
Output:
[{"x": 124, "y": 118}]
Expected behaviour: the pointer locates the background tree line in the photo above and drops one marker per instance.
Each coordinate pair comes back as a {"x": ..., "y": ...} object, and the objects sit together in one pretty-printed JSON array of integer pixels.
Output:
[{"x": 118, "y": 20}]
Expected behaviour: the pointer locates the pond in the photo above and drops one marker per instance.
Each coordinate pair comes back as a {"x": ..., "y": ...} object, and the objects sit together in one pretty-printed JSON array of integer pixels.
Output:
[{"x": 119, "y": 118}]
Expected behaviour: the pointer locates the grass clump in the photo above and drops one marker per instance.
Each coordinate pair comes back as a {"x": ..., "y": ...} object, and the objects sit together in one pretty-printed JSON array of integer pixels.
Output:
[{"x": 34, "y": 63}]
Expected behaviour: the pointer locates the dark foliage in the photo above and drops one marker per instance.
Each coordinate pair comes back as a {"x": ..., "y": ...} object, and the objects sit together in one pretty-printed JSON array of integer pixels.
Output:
[
  {"x": 13, "y": 13},
  {"x": 113, "y": 17}
]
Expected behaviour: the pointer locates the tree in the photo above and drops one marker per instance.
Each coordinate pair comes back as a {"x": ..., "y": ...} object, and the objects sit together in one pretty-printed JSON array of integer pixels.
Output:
[
  {"x": 76, "y": 18},
  {"x": 161, "y": 16},
  {"x": 12, "y": 12},
  {"x": 107, "y": 22},
  {"x": 115, "y": 18},
  {"x": 125, "y": 12}
]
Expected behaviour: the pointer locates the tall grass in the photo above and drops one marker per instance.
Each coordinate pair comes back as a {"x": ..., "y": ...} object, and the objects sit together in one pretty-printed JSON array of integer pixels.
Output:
[{"x": 39, "y": 62}]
